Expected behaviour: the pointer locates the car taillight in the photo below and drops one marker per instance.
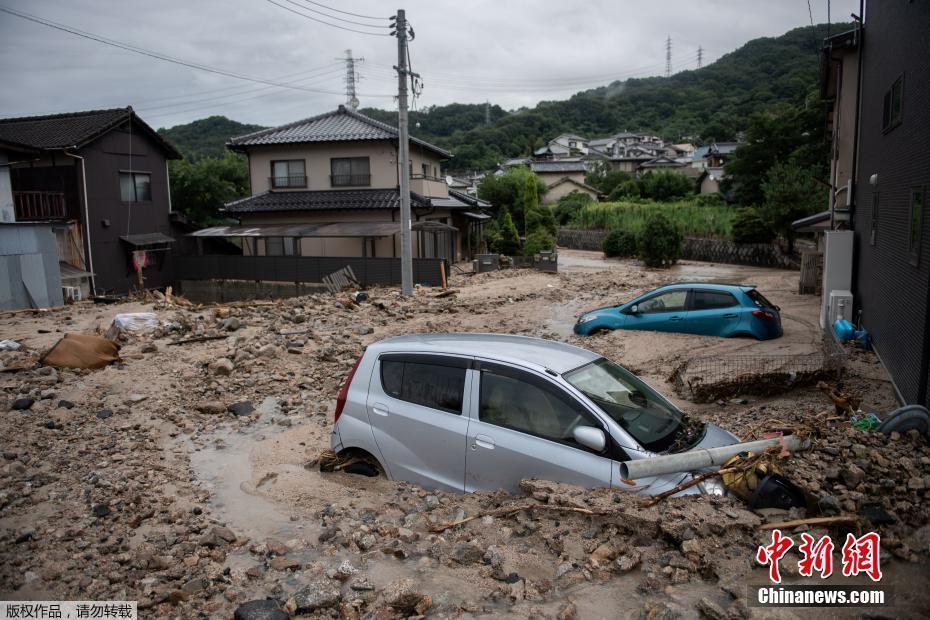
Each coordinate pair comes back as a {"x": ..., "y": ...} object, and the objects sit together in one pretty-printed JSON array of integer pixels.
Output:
[
  {"x": 763, "y": 315},
  {"x": 344, "y": 392}
]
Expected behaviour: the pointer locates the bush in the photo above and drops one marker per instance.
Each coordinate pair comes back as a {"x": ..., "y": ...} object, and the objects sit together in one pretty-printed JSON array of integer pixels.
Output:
[
  {"x": 709, "y": 200},
  {"x": 508, "y": 243},
  {"x": 569, "y": 205},
  {"x": 620, "y": 243},
  {"x": 538, "y": 241},
  {"x": 665, "y": 185},
  {"x": 659, "y": 243},
  {"x": 750, "y": 227},
  {"x": 631, "y": 188}
]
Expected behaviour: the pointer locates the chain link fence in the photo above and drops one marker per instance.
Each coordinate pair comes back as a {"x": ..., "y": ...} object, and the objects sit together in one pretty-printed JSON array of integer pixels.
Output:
[{"x": 706, "y": 379}]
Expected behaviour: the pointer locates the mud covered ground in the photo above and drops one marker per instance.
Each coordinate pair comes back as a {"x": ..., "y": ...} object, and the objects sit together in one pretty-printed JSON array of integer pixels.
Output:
[{"x": 136, "y": 482}]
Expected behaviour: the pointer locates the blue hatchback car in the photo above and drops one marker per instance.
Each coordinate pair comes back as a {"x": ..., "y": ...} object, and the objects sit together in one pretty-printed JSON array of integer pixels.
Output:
[{"x": 694, "y": 308}]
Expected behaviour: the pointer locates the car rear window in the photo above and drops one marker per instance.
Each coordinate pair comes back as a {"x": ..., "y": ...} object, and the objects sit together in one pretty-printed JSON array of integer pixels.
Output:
[
  {"x": 708, "y": 300},
  {"x": 759, "y": 299},
  {"x": 429, "y": 384}
]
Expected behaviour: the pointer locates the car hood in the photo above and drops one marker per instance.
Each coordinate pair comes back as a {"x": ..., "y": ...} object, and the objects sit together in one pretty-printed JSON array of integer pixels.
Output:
[
  {"x": 593, "y": 310},
  {"x": 714, "y": 437}
]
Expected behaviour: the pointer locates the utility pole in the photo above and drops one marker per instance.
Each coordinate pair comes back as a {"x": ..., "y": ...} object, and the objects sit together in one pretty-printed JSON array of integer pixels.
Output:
[
  {"x": 403, "y": 155},
  {"x": 668, "y": 57},
  {"x": 351, "y": 79},
  {"x": 700, "y": 56}
]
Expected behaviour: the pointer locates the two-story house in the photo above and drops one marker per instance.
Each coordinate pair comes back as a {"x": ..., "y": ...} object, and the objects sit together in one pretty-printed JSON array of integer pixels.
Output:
[
  {"x": 329, "y": 186},
  {"x": 100, "y": 178}
]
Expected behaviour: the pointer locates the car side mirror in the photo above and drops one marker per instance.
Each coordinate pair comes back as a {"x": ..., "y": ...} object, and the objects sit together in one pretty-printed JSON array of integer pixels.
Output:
[
  {"x": 590, "y": 437},
  {"x": 634, "y": 309}
]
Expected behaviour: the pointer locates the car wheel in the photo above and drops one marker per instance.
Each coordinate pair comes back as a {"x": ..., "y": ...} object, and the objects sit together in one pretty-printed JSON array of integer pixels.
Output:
[
  {"x": 362, "y": 469},
  {"x": 906, "y": 418}
]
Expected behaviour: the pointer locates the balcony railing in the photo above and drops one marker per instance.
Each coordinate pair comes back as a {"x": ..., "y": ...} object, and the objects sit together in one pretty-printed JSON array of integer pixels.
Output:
[
  {"x": 294, "y": 180},
  {"x": 350, "y": 180},
  {"x": 40, "y": 206}
]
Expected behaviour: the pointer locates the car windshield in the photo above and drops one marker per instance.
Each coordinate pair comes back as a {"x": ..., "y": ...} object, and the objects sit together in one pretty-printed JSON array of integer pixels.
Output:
[{"x": 637, "y": 408}]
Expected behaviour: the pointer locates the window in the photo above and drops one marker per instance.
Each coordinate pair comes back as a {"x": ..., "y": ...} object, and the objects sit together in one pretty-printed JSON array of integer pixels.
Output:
[
  {"x": 893, "y": 104},
  {"x": 135, "y": 186},
  {"x": 916, "y": 224},
  {"x": 709, "y": 300},
  {"x": 350, "y": 171},
  {"x": 522, "y": 402},
  {"x": 671, "y": 301},
  {"x": 873, "y": 225},
  {"x": 288, "y": 173},
  {"x": 279, "y": 246},
  {"x": 759, "y": 299},
  {"x": 425, "y": 168},
  {"x": 426, "y": 383}
]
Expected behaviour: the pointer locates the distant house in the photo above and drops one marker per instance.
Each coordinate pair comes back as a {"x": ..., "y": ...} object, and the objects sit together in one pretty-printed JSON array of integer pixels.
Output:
[
  {"x": 565, "y": 186},
  {"x": 99, "y": 180},
  {"x": 551, "y": 171},
  {"x": 564, "y": 145},
  {"x": 877, "y": 247},
  {"x": 328, "y": 186}
]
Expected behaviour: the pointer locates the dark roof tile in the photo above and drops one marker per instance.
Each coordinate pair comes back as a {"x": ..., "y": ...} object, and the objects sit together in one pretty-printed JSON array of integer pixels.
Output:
[{"x": 327, "y": 200}]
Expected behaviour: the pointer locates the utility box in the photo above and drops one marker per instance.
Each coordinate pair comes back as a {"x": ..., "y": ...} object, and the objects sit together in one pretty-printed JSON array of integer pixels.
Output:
[
  {"x": 837, "y": 270},
  {"x": 486, "y": 262},
  {"x": 547, "y": 261}
]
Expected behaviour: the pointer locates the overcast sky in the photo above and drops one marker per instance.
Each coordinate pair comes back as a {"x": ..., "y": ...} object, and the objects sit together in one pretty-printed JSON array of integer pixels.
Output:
[{"x": 509, "y": 52}]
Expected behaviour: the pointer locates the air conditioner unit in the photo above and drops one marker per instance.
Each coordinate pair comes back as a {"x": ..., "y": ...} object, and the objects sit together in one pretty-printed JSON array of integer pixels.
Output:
[
  {"x": 71, "y": 293},
  {"x": 841, "y": 306}
]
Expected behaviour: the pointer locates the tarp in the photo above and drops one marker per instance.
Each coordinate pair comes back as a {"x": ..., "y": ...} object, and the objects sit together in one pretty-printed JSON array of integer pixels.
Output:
[{"x": 81, "y": 351}]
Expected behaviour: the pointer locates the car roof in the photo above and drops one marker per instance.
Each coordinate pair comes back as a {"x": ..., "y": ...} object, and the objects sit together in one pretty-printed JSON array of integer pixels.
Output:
[
  {"x": 524, "y": 350},
  {"x": 710, "y": 286}
]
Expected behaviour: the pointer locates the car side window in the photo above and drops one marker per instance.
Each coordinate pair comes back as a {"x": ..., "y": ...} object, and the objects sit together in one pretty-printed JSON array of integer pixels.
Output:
[
  {"x": 525, "y": 403},
  {"x": 709, "y": 300},
  {"x": 671, "y": 301},
  {"x": 429, "y": 384}
]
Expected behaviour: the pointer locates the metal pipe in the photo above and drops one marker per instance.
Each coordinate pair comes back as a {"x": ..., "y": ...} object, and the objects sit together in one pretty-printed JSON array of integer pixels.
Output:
[
  {"x": 703, "y": 457},
  {"x": 90, "y": 254}
]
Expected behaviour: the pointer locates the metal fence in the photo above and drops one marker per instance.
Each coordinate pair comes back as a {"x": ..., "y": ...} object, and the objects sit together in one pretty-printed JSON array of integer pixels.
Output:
[
  {"x": 369, "y": 271},
  {"x": 704, "y": 379}
]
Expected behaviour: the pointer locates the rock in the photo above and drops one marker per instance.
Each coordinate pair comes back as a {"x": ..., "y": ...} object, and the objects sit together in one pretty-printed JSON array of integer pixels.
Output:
[
  {"x": 222, "y": 367},
  {"x": 211, "y": 407},
  {"x": 195, "y": 585},
  {"x": 366, "y": 542},
  {"x": 709, "y": 609},
  {"x": 23, "y": 404},
  {"x": 217, "y": 537},
  {"x": 915, "y": 484},
  {"x": 150, "y": 347},
  {"x": 243, "y": 408},
  {"x": 852, "y": 476},
  {"x": 282, "y": 563},
  {"x": 627, "y": 562},
  {"x": 467, "y": 553},
  {"x": 919, "y": 540},
  {"x": 260, "y": 610},
  {"x": 432, "y": 502},
  {"x": 65, "y": 404},
  {"x": 232, "y": 324},
  {"x": 320, "y": 593},
  {"x": 404, "y": 598},
  {"x": 101, "y": 510},
  {"x": 103, "y": 414},
  {"x": 568, "y": 612},
  {"x": 691, "y": 546},
  {"x": 276, "y": 547}
]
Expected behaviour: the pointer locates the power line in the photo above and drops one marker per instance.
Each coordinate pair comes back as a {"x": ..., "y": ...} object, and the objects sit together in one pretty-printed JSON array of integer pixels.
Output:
[
  {"x": 344, "y": 12},
  {"x": 320, "y": 21},
  {"x": 159, "y": 56},
  {"x": 342, "y": 19}
]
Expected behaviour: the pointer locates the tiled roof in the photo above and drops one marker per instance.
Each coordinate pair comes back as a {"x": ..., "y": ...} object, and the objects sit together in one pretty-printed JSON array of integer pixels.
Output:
[
  {"x": 340, "y": 125},
  {"x": 469, "y": 199},
  {"x": 326, "y": 200},
  {"x": 74, "y": 129},
  {"x": 557, "y": 166},
  {"x": 573, "y": 182}
]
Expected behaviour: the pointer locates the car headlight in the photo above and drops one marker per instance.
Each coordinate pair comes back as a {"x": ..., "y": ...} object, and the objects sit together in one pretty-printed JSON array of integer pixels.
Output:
[
  {"x": 712, "y": 486},
  {"x": 586, "y": 318}
]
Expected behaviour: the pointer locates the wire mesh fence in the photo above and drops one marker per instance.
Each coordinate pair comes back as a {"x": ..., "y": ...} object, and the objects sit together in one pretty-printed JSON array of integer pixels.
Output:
[{"x": 704, "y": 379}]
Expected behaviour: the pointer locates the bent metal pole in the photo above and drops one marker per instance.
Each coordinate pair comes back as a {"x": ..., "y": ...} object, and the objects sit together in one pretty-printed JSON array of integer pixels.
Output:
[{"x": 703, "y": 457}]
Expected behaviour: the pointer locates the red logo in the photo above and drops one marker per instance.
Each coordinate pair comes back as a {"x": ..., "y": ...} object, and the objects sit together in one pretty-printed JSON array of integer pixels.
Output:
[
  {"x": 816, "y": 556},
  {"x": 772, "y": 553},
  {"x": 859, "y": 555}
]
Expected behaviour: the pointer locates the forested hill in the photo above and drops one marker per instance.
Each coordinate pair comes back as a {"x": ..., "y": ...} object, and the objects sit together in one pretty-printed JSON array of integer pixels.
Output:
[
  {"x": 205, "y": 137},
  {"x": 713, "y": 102}
]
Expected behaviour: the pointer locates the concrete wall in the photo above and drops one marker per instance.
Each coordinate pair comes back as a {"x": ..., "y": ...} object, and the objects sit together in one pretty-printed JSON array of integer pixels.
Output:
[
  {"x": 7, "y": 211},
  {"x": 382, "y": 156},
  {"x": 29, "y": 275},
  {"x": 222, "y": 291},
  {"x": 844, "y": 128}
]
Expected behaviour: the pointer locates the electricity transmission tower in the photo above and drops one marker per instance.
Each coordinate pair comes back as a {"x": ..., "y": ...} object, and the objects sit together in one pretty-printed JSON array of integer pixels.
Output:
[
  {"x": 668, "y": 57},
  {"x": 700, "y": 56},
  {"x": 352, "y": 78}
]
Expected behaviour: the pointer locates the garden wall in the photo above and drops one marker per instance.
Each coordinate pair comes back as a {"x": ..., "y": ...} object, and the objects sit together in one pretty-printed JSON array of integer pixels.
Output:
[{"x": 693, "y": 248}]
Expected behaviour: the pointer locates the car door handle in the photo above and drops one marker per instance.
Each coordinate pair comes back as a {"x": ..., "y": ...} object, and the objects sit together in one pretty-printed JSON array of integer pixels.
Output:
[
  {"x": 731, "y": 315},
  {"x": 676, "y": 318},
  {"x": 484, "y": 441},
  {"x": 379, "y": 409}
]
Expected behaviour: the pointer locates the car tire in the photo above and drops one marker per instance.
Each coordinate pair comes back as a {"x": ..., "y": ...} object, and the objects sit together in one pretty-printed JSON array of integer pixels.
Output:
[
  {"x": 362, "y": 469},
  {"x": 906, "y": 418}
]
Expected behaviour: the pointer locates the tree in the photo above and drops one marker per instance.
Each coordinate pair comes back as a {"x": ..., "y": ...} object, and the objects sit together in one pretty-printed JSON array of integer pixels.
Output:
[
  {"x": 659, "y": 243},
  {"x": 506, "y": 191},
  {"x": 750, "y": 227},
  {"x": 538, "y": 241},
  {"x": 662, "y": 185},
  {"x": 569, "y": 204},
  {"x": 509, "y": 241},
  {"x": 790, "y": 193},
  {"x": 201, "y": 187},
  {"x": 537, "y": 217},
  {"x": 603, "y": 179},
  {"x": 620, "y": 243}
]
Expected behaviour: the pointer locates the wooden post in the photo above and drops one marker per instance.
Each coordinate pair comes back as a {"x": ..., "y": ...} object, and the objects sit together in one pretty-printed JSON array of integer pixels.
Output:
[{"x": 442, "y": 272}]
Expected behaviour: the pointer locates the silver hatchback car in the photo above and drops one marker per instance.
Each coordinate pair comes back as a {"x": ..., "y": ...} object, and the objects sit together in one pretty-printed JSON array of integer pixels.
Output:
[{"x": 468, "y": 412}]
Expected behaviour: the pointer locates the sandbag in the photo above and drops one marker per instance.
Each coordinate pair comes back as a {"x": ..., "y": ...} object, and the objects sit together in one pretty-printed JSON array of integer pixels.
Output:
[{"x": 81, "y": 351}]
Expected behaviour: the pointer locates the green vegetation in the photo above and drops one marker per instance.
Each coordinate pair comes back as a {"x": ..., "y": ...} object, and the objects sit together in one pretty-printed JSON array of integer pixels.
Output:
[
  {"x": 790, "y": 193},
  {"x": 538, "y": 241},
  {"x": 569, "y": 205},
  {"x": 620, "y": 243},
  {"x": 507, "y": 240},
  {"x": 750, "y": 227},
  {"x": 714, "y": 102},
  {"x": 205, "y": 137},
  {"x": 603, "y": 179},
  {"x": 659, "y": 243},
  {"x": 661, "y": 185},
  {"x": 199, "y": 188},
  {"x": 507, "y": 191},
  {"x": 631, "y": 216}
]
